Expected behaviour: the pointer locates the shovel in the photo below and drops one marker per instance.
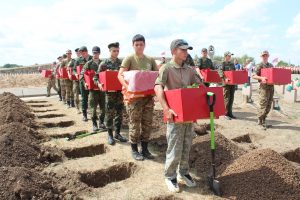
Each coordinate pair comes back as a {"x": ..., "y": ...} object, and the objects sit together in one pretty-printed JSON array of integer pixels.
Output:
[
  {"x": 212, "y": 182},
  {"x": 78, "y": 135}
]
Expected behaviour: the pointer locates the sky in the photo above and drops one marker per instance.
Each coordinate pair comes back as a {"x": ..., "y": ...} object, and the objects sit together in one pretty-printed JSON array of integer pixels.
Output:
[{"x": 35, "y": 31}]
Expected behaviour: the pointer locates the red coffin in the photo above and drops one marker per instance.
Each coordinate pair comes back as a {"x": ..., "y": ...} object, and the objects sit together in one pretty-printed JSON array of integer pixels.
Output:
[
  {"x": 78, "y": 71},
  {"x": 88, "y": 78},
  {"x": 46, "y": 73},
  {"x": 210, "y": 76},
  {"x": 110, "y": 81},
  {"x": 190, "y": 104},
  {"x": 219, "y": 107},
  {"x": 71, "y": 76},
  {"x": 236, "y": 77},
  {"x": 63, "y": 73},
  {"x": 277, "y": 76}
]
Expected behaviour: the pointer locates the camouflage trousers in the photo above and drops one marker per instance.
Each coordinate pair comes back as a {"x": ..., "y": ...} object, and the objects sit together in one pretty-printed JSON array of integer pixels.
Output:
[
  {"x": 51, "y": 84},
  {"x": 69, "y": 90},
  {"x": 96, "y": 97},
  {"x": 84, "y": 96},
  {"x": 76, "y": 92},
  {"x": 266, "y": 93},
  {"x": 229, "y": 98},
  {"x": 140, "y": 114},
  {"x": 114, "y": 110},
  {"x": 179, "y": 138},
  {"x": 63, "y": 89}
]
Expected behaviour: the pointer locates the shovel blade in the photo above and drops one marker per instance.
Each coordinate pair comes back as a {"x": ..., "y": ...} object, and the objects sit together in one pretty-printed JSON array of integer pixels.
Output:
[{"x": 214, "y": 185}]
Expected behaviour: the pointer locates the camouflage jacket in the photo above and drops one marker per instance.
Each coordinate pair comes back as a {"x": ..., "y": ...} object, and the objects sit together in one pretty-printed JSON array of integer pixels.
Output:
[
  {"x": 108, "y": 64},
  {"x": 90, "y": 65},
  {"x": 205, "y": 63},
  {"x": 226, "y": 66},
  {"x": 261, "y": 66}
]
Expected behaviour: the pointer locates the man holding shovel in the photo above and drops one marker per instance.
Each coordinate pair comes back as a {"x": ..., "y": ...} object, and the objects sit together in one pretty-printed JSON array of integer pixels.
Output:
[{"x": 174, "y": 75}]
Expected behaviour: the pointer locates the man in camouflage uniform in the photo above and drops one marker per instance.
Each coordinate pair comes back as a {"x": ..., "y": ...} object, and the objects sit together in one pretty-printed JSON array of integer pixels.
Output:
[
  {"x": 68, "y": 82},
  {"x": 63, "y": 82},
  {"x": 52, "y": 80},
  {"x": 113, "y": 99},
  {"x": 140, "y": 111},
  {"x": 76, "y": 89},
  {"x": 205, "y": 63},
  {"x": 174, "y": 75},
  {"x": 82, "y": 60},
  {"x": 266, "y": 92},
  {"x": 228, "y": 89},
  {"x": 96, "y": 97}
]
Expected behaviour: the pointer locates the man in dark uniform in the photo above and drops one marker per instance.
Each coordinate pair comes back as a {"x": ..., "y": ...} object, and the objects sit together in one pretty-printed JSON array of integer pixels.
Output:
[
  {"x": 85, "y": 57},
  {"x": 113, "y": 99},
  {"x": 228, "y": 89},
  {"x": 204, "y": 63}
]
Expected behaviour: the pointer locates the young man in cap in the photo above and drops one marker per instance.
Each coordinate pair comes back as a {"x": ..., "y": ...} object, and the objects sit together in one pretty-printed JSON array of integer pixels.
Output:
[
  {"x": 174, "y": 75},
  {"x": 76, "y": 89},
  {"x": 266, "y": 92},
  {"x": 228, "y": 89},
  {"x": 82, "y": 60},
  {"x": 68, "y": 82},
  {"x": 140, "y": 111},
  {"x": 52, "y": 80},
  {"x": 205, "y": 63},
  {"x": 96, "y": 97},
  {"x": 113, "y": 99}
]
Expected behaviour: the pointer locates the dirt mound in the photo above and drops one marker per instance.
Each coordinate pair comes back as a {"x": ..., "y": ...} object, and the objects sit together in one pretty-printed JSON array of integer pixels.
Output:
[
  {"x": 200, "y": 156},
  {"x": 22, "y": 183},
  {"x": 261, "y": 174},
  {"x": 13, "y": 109},
  {"x": 19, "y": 147}
]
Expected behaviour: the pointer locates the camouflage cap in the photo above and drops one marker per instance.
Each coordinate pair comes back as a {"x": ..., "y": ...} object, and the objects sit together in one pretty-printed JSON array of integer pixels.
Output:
[
  {"x": 204, "y": 50},
  {"x": 180, "y": 43},
  {"x": 115, "y": 44},
  {"x": 228, "y": 53},
  {"x": 83, "y": 48},
  {"x": 264, "y": 53}
]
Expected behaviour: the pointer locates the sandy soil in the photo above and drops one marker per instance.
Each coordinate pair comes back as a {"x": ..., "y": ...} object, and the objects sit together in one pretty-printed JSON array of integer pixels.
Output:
[
  {"x": 110, "y": 171},
  {"x": 23, "y": 80}
]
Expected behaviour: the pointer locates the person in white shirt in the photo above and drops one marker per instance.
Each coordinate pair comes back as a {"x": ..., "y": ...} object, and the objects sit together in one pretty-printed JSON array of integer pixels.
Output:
[{"x": 249, "y": 67}]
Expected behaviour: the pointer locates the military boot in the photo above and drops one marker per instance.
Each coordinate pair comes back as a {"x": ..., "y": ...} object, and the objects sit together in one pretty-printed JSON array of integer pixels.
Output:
[
  {"x": 145, "y": 152},
  {"x": 119, "y": 137},
  {"x": 94, "y": 122},
  {"x": 72, "y": 104},
  {"x": 135, "y": 153},
  {"x": 110, "y": 138},
  {"x": 84, "y": 116}
]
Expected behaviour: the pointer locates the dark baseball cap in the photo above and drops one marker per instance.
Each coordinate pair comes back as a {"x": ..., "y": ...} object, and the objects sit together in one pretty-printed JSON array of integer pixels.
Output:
[
  {"x": 180, "y": 43},
  {"x": 77, "y": 49},
  {"x": 204, "y": 50},
  {"x": 96, "y": 49},
  {"x": 115, "y": 44},
  {"x": 83, "y": 48},
  {"x": 59, "y": 57}
]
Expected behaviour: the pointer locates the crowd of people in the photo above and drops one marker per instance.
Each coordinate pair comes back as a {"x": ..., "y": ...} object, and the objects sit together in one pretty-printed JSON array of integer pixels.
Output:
[{"x": 177, "y": 73}]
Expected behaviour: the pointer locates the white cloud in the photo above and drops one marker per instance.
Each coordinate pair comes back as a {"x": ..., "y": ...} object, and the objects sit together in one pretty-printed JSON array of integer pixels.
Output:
[{"x": 38, "y": 34}]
